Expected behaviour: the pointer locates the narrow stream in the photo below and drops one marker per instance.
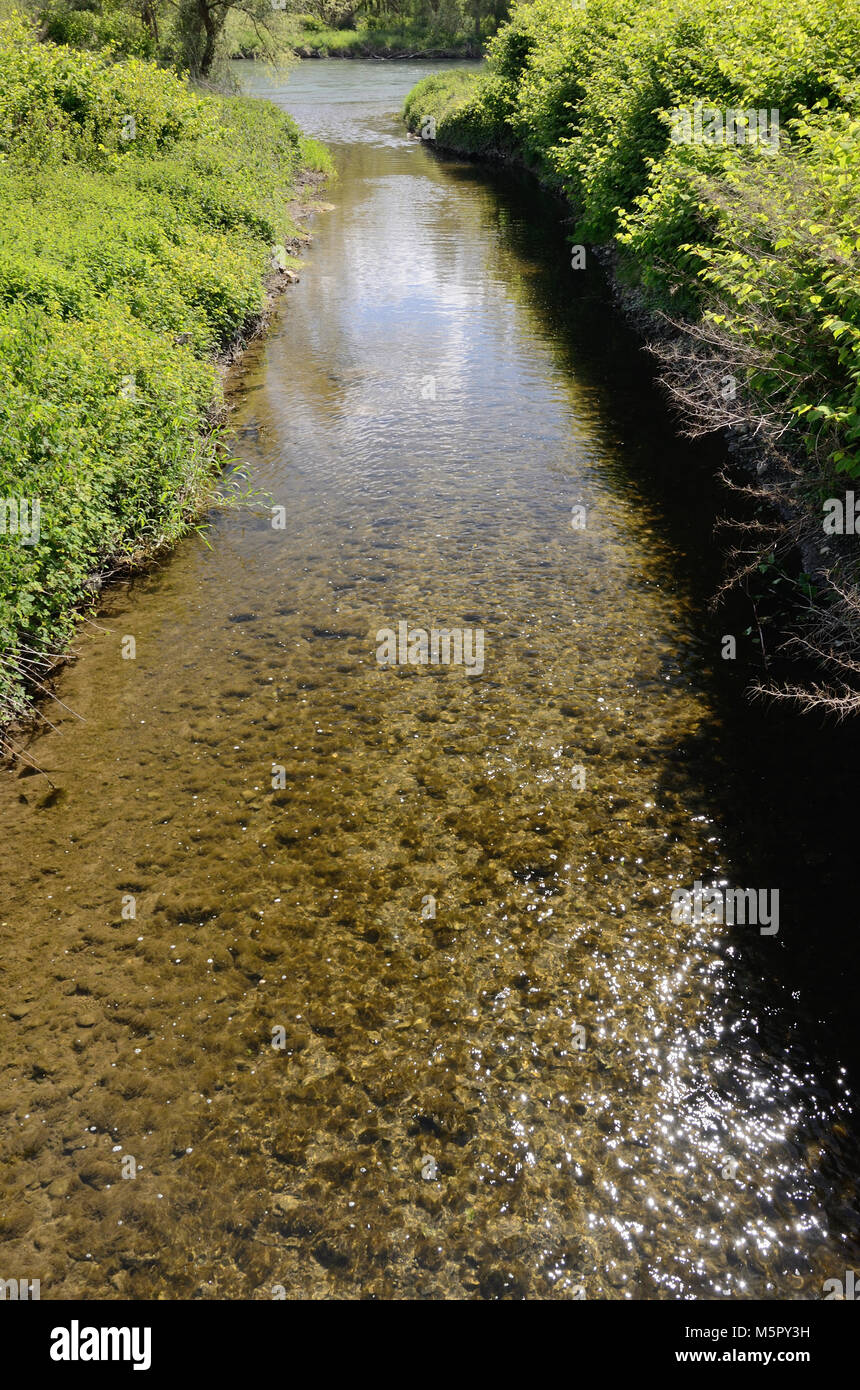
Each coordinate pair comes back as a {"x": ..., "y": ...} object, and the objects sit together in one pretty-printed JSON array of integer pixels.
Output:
[{"x": 548, "y": 1088}]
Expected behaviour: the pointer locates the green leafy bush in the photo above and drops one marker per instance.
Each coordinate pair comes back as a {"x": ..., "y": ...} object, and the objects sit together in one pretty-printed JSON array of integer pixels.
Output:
[
  {"x": 111, "y": 28},
  {"x": 759, "y": 246},
  {"x": 139, "y": 221}
]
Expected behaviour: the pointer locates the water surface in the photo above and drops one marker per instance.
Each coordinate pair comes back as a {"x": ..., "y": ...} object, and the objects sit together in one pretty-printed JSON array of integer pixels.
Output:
[{"x": 547, "y": 1087}]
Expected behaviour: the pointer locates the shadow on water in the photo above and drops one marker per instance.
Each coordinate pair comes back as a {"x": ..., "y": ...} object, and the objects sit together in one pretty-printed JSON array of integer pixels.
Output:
[{"x": 784, "y": 784}]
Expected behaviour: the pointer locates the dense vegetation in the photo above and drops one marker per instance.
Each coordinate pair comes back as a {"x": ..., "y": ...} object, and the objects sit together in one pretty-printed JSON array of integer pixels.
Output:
[
  {"x": 198, "y": 35},
  {"x": 187, "y": 35},
  {"x": 377, "y": 28},
  {"x": 441, "y": 31},
  {"x": 746, "y": 247},
  {"x": 139, "y": 222}
]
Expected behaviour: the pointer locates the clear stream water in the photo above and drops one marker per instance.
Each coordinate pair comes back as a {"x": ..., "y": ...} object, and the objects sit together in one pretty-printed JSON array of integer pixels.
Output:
[{"x": 549, "y": 1086}]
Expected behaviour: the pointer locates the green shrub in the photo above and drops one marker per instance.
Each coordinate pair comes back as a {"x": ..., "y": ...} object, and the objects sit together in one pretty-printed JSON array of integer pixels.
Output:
[
  {"x": 139, "y": 221},
  {"x": 759, "y": 246},
  {"x": 114, "y": 30}
]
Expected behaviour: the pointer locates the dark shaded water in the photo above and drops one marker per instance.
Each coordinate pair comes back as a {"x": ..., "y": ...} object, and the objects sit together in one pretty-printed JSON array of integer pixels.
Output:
[{"x": 548, "y": 1086}]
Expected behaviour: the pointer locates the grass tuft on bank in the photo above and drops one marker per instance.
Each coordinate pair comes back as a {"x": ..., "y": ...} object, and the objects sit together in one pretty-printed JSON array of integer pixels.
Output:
[{"x": 139, "y": 222}]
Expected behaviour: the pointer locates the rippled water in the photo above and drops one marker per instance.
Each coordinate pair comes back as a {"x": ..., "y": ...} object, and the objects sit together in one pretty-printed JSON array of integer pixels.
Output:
[{"x": 547, "y": 1088}]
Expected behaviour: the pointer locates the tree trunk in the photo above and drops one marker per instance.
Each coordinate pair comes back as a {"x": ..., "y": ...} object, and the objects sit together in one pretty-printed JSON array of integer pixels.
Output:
[
  {"x": 150, "y": 18},
  {"x": 210, "y": 29}
]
